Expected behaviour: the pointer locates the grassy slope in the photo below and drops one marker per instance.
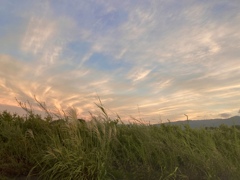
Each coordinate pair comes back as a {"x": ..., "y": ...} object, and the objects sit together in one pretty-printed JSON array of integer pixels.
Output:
[{"x": 106, "y": 149}]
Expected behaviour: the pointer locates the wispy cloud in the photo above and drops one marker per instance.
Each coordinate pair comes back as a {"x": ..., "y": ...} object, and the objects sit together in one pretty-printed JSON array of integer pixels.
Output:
[
  {"x": 139, "y": 74},
  {"x": 38, "y": 33}
]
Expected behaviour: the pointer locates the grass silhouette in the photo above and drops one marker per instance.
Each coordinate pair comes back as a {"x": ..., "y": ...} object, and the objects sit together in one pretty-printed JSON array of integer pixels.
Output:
[{"x": 104, "y": 148}]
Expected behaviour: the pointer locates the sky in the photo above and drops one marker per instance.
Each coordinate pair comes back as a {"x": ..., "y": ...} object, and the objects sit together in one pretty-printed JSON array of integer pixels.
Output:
[{"x": 153, "y": 60}]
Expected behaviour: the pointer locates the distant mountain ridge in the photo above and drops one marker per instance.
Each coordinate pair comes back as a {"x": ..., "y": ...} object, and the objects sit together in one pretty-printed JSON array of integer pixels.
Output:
[{"x": 235, "y": 120}]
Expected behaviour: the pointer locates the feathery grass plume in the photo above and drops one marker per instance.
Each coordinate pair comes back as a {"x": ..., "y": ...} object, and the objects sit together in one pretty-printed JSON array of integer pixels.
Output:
[
  {"x": 43, "y": 106},
  {"x": 29, "y": 133},
  {"x": 26, "y": 106},
  {"x": 72, "y": 116},
  {"x": 80, "y": 151}
]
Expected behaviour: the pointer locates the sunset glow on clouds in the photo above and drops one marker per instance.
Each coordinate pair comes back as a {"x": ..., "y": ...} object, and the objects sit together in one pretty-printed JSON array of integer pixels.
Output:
[{"x": 154, "y": 60}]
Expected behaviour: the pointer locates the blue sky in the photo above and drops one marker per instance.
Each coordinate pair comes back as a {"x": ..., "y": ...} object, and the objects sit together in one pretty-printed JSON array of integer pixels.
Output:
[{"x": 154, "y": 60}]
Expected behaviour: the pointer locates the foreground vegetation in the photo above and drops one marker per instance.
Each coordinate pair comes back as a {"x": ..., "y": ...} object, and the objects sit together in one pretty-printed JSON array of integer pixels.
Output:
[{"x": 108, "y": 149}]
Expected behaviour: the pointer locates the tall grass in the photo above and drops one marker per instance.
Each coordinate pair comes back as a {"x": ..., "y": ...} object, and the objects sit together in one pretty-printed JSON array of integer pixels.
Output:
[{"x": 103, "y": 148}]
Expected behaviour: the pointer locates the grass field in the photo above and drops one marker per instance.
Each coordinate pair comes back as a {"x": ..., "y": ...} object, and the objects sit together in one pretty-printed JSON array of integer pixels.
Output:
[{"x": 105, "y": 148}]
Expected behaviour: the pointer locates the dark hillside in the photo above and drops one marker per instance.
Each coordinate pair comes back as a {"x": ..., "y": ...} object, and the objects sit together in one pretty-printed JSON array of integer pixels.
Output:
[{"x": 235, "y": 120}]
